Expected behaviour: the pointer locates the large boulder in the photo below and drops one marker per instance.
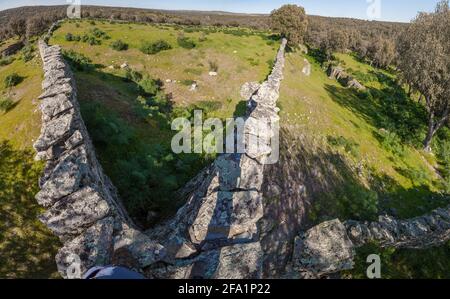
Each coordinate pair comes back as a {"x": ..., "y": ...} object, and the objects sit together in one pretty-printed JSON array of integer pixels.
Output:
[{"x": 324, "y": 249}]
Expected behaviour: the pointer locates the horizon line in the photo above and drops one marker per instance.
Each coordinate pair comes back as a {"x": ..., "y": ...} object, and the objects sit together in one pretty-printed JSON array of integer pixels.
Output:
[{"x": 210, "y": 11}]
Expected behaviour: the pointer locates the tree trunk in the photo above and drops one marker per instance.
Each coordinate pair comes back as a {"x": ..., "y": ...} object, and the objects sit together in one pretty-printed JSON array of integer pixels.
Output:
[
  {"x": 420, "y": 98},
  {"x": 430, "y": 134},
  {"x": 409, "y": 91},
  {"x": 433, "y": 127}
]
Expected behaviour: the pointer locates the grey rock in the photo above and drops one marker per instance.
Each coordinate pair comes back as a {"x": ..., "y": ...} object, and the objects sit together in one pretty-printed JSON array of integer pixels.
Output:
[
  {"x": 324, "y": 249},
  {"x": 65, "y": 179},
  {"x": 248, "y": 89},
  {"x": 92, "y": 248},
  {"x": 238, "y": 172},
  {"x": 224, "y": 215},
  {"x": 72, "y": 215},
  {"x": 55, "y": 131},
  {"x": 54, "y": 106},
  {"x": 145, "y": 250}
]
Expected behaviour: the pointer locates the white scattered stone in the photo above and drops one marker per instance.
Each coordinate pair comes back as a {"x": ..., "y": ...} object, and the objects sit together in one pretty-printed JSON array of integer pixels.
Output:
[
  {"x": 213, "y": 74},
  {"x": 193, "y": 87}
]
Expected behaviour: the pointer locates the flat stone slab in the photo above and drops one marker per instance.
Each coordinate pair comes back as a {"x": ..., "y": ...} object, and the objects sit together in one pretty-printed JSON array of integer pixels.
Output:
[
  {"x": 324, "y": 249},
  {"x": 92, "y": 248},
  {"x": 226, "y": 215},
  {"x": 72, "y": 215},
  {"x": 65, "y": 178}
]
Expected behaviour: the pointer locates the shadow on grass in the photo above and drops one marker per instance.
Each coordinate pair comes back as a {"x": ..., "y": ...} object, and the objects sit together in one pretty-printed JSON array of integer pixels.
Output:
[
  {"x": 132, "y": 135},
  {"x": 27, "y": 248},
  {"x": 388, "y": 108},
  {"x": 312, "y": 184}
]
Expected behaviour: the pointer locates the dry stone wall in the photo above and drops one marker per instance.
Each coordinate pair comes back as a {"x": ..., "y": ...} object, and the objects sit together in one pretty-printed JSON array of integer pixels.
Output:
[
  {"x": 330, "y": 246},
  {"x": 83, "y": 208}
]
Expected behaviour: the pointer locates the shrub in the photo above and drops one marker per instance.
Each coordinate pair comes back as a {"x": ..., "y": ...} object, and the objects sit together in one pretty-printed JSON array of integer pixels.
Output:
[
  {"x": 213, "y": 66},
  {"x": 93, "y": 41},
  {"x": 6, "y": 104},
  {"x": 99, "y": 33},
  {"x": 132, "y": 75},
  {"x": 12, "y": 80},
  {"x": 357, "y": 202},
  {"x": 77, "y": 60},
  {"x": 391, "y": 142},
  {"x": 6, "y": 60},
  {"x": 119, "y": 45},
  {"x": 253, "y": 62},
  {"x": 155, "y": 47},
  {"x": 69, "y": 37},
  {"x": 150, "y": 86},
  {"x": 27, "y": 53},
  {"x": 186, "y": 43}
]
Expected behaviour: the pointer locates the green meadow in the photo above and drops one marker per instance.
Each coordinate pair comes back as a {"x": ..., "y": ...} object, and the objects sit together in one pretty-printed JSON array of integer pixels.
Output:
[
  {"x": 27, "y": 247},
  {"x": 368, "y": 148}
]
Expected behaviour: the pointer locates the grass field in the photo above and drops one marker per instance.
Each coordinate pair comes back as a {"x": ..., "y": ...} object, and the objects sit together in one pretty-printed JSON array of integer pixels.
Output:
[
  {"x": 344, "y": 122},
  {"x": 239, "y": 58},
  {"x": 27, "y": 248},
  {"x": 369, "y": 173}
]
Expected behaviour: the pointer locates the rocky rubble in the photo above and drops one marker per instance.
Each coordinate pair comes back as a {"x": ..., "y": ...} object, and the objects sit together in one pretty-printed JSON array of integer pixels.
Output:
[
  {"x": 329, "y": 247},
  {"x": 83, "y": 208},
  {"x": 339, "y": 74}
]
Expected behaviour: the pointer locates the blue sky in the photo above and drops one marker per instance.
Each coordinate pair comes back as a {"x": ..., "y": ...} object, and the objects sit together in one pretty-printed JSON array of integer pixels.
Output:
[{"x": 391, "y": 10}]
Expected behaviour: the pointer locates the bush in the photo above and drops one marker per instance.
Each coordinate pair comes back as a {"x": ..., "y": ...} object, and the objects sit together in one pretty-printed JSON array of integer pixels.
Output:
[
  {"x": 69, "y": 37},
  {"x": 12, "y": 80},
  {"x": 357, "y": 202},
  {"x": 99, "y": 33},
  {"x": 155, "y": 47},
  {"x": 77, "y": 60},
  {"x": 391, "y": 142},
  {"x": 132, "y": 75},
  {"x": 119, "y": 45},
  {"x": 150, "y": 86},
  {"x": 27, "y": 53},
  {"x": 186, "y": 43},
  {"x": 6, "y": 104},
  {"x": 6, "y": 60}
]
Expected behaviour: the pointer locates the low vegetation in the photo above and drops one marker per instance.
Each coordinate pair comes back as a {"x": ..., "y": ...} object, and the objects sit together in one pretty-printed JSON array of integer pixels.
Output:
[
  {"x": 27, "y": 247},
  {"x": 119, "y": 45},
  {"x": 152, "y": 48}
]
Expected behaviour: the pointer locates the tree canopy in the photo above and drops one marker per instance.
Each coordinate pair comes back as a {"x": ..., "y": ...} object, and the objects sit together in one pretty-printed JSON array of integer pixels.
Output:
[
  {"x": 291, "y": 22},
  {"x": 424, "y": 59}
]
